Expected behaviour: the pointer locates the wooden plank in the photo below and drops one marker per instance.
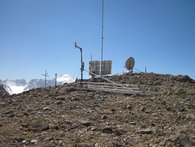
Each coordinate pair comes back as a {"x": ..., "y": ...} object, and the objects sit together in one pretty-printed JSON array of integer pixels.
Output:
[
  {"x": 103, "y": 83},
  {"x": 128, "y": 89}
]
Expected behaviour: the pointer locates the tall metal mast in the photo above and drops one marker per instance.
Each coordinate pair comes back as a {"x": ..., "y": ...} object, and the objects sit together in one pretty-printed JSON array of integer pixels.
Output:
[{"x": 102, "y": 38}]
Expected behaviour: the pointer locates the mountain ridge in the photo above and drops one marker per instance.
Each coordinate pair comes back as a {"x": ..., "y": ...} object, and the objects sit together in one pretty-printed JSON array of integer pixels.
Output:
[{"x": 20, "y": 85}]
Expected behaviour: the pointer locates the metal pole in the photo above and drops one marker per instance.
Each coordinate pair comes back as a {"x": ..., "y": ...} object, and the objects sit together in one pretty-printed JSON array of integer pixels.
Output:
[
  {"x": 81, "y": 64},
  {"x": 45, "y": 80},
  {"x": 46, "y": 74},
  {"x": 102, "y": 43},
  {"x": 91, "y": 57},
  {"x": 55, "y": 79}
]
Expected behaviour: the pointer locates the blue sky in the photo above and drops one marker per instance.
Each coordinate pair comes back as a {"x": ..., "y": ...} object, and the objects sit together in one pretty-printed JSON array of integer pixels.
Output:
[{"x": 39, "y": 35}]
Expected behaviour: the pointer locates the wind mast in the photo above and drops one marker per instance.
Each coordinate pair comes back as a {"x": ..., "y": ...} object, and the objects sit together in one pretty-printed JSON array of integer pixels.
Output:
[
  {"x": 102, "y": 38},
  {"x": 101, "y": 67}
]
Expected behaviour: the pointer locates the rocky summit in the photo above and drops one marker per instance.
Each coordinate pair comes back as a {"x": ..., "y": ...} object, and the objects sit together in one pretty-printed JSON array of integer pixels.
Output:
[{"x": 67, "y": 116}]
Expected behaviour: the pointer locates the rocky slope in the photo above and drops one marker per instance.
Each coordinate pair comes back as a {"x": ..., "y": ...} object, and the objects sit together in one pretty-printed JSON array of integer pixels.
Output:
[
  {"x": 3, "y": 92},
  {"x": 63, "y": 116}
]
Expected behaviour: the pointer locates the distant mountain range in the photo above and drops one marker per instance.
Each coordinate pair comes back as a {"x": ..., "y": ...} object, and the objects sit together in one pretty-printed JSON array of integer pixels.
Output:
[{"x": 21, "y": 85}]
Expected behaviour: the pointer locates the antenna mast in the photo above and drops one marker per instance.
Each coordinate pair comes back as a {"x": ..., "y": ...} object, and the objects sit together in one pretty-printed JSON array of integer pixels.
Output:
[
  {"x": 102, "y": 43},
  {"x": 45, "y": 75}
]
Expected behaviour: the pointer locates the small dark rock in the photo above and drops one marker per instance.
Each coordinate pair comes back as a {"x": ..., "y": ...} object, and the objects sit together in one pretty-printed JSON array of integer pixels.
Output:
[
  {"x": 38, "y": 125},
  {"x": 129, "y": 107},
  {"x": 25, "y": 125},
  {"x": 68, "y": 122},
  {"x": 120, "y": 131},
  {"x": 58, "y": 102},
  {"x": 85, "y": 123},
  {"x": 184, "y": 140},
  {"x": 25, "y": 114},
  {"x": 11, "y": 115},
  {"x": 8, "y": 112},
  {"x": 103, "y": 117},
  {"x": 113, "y": 109},
  {"x": 107, "y": 129},
  {"x": 18, "y": 139},
  {"x": 53, "y": 126},
  {"x": 142, "y": 108},
  {"x": 75, "y": 99}
]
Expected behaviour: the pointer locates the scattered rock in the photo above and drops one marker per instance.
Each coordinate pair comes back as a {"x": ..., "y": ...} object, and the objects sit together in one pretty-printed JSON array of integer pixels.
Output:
[
  {"x": 96, "y": 145},
  {"x": 49, "y": 139},
  {"x": 107, "y": 129},
  {"x": 60, "y": 98},
  {"x": 68, "y": 122},
  {"x": 58, "y": 103},
  {"x": 184, "y": 78},
  {"x": 103, "y": 117},
  {"x": 86, "y": 123},
  {"x": 25, "y": 141},
  {"x": 46, "y": 108},
  {"x": 38, "y": 125},
  {"x": 145, "y": 131},
  {"x": 25, "y": 125},
  {"x": 162, "y": 143},
  {"x": 53, "y": 126},
  {"x": 142, "y": 108},
  {"x": 93, "y": 128},
  {"x": 129, "y": 107},
  {"x": 184, "y": 140},
  {"x": 34, "y": 141},
  {"x": 120, "y": 131},
  {"x": 18, "y": 139},
  {"x": 132, "y": 123}
]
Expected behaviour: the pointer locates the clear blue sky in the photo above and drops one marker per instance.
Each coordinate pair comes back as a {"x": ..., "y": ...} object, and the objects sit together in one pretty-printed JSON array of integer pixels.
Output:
[{"x": 38, "y": 35}]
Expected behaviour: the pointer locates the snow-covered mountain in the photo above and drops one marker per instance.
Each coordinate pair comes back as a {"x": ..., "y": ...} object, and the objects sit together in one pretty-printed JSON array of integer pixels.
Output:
[
  {"x": 66, "y": 78},
  {"x": 21, "y": 85},
  {"x": 14, "y": 86}
]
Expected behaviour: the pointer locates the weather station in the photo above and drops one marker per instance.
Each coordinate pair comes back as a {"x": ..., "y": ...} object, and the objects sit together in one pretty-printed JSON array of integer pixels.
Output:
[{"x": 103, "y": 68}]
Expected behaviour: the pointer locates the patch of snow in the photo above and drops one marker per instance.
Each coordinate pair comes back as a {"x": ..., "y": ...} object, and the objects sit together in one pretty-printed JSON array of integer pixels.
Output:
[
  {"x": 66, "y": 78},
  {"x": 17, "y": 89},
  {"x": 7, "y": 88}
]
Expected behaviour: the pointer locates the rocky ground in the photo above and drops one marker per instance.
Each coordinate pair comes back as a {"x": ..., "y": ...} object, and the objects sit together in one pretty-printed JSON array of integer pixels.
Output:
[{"x": 63, "y": 116}]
